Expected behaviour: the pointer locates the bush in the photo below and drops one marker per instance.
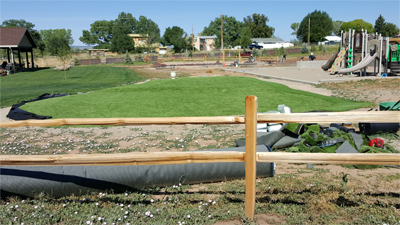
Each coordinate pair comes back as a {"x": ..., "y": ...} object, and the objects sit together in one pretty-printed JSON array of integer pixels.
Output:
[
  {"x": 264, "y": 52},
  {"x": 140, "y": 59},
  {"x": 304, "y": 49},
  {"x": 76, "y": 62},
  {"x": 320, "y": 47},
  {"x": 313, "y": 48},
  {"x": 128, "y": 59}
]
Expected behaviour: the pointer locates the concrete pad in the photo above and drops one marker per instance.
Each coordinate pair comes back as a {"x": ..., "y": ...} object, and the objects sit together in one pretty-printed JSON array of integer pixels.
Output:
[
  {"x": 305, "y": 75},
  {"x": 310, "y": 64}
]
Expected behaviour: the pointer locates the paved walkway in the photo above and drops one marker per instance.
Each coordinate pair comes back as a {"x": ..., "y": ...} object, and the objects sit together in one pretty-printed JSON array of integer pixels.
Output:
[{"x": 309, "y": 76}]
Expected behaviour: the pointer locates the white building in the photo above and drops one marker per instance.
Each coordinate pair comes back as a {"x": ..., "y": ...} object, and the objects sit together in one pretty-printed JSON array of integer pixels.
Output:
[
  {"x": 270, "y": 43},
  {"x": 330, "y": 40}
]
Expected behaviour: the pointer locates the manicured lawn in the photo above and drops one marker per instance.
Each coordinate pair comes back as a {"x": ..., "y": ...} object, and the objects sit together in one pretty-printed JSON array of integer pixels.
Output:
[
  {"x": 28, "y": 85},
  {"x": 201, "y": 96}
]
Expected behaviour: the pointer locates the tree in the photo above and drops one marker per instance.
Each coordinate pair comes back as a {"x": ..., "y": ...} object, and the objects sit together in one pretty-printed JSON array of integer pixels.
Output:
[
  {"x": 34, "y": 33},
  {"x": 295, "y": 27},
  {"x": 64, "y": 55},
  {"x": 149, "y": 29},
  {"x": 120, "y": 41},
  {"x": 258, "y": 26},
  {"x": 177, "y": 37},
  {"x": 231, "y": 30},
  {"x": 379, "y": 23},
  {"x": 100, "y": 34},
  {"x": 57, "y": 40},
  {"x": 321, "y": 26},
  {"x": 245, "y": 37},
  {"x": 389, "y": 30},
  {"x": 336, "y": 27},
  {"x": 357, "y": 25}
]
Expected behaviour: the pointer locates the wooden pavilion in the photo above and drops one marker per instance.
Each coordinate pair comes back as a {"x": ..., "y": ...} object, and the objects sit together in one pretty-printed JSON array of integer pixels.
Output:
[{"x": 17, "y": 39}]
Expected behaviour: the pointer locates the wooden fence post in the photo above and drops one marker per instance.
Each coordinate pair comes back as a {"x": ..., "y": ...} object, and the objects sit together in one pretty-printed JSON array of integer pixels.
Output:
[{"x": 250, "y": 156}]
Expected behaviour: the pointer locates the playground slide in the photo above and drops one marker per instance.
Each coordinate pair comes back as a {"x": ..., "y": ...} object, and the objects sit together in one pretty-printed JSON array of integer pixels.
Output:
[
  {"x": 329, "y": 63},
  {"x": 365, "y": 62}
]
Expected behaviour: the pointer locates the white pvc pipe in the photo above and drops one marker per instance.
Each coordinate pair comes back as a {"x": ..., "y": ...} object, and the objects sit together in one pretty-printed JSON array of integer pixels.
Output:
[
  {"x": 352, "y": 46},
  {"x": 362, "y": 45},
  {"x": 341, "y": 39}
]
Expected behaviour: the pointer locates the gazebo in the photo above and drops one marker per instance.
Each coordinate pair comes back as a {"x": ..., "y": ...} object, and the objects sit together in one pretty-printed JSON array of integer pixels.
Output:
[{"x": 17, "y": 39}]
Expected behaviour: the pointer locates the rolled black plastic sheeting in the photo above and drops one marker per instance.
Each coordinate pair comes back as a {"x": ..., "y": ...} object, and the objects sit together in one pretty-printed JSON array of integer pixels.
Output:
[
  {"x": 373, "y": 128},
  {"x": 58, "y": 181}
]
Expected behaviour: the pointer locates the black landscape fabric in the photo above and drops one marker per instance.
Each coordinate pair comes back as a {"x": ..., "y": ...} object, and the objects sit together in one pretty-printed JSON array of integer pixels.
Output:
[{"x": 18, "y": 114}]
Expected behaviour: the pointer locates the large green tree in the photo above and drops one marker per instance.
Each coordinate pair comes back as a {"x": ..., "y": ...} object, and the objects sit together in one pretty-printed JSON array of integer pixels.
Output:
[
  {"x": 149, "y": 29},
  {"x": 100, "y": 34},
  {"x": 34, "y": 33},
  {"x": 177, "y": 37},
  {"x": 321, "y": 26},
  {"x": 245, "y": 37},
  {"x": 120, "y": 41},
  {"x": 258, "y": 26},
  {"x": 357, "y": 25},
  {"x": 379, "y": 23},
  {"x": 101, "y": 31},
  {"x": 231, "y": 30},
  {"x": 389, "y": 30},
  {"x": 385, "y": 28},
  {"x": 57, "y": 40}
]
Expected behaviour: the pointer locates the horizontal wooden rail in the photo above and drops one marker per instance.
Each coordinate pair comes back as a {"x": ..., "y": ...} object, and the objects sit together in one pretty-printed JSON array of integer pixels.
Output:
[
  {"x": 142, "y": 158},
  {"x": 332, "y": 117},
  {"x": 128, "y": 121},
  {"x": 325, "y": 117},
  {"x": 331, "y": 158},
  {"x": 163, "y": 158}
]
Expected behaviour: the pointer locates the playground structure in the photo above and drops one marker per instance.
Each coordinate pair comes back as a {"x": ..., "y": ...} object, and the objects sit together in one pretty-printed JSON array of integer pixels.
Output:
[{"x": 359, "y": 49}]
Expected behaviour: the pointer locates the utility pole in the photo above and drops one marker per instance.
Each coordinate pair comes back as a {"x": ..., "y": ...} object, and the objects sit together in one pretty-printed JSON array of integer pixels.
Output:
[
  {"x": 192, "y": 39},
  {"x": 222, "y": 32},
  {"x": 308, "y": 31}
]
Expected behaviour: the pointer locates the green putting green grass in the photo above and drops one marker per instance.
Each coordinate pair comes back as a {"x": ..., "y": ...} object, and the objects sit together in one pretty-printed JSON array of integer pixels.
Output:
[
  {"x": 200, "y": 96},
  {"x": 31, "y": 84}
]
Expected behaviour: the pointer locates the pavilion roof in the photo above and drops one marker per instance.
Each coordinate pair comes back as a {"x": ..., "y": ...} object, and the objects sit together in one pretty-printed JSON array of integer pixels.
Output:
[{"x": 15, "y": 37}]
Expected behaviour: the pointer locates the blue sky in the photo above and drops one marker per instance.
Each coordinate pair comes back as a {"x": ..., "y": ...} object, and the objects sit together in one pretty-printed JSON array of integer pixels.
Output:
[{"x": 77, "y": 15}]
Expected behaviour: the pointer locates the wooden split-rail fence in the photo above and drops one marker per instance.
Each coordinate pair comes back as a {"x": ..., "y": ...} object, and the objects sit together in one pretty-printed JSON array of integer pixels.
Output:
[{"x": 250, "y": 156}]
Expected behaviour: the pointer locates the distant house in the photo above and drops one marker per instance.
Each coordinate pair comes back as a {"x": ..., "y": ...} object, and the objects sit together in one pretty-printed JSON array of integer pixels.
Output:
[
  {"x": 204, "y": 43},
  {"x": 269, "y": 43},
  {"x": 141, "y": 40}
]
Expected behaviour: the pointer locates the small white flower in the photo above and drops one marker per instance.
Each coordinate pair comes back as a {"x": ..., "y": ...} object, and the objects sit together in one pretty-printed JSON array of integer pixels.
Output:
[
  {"x": 88, "y": 222},
  {"x": 76, "y": 212},
  {"x": 214, "y": 203},
  {"x": 122, "y": 205},
  {"x": 97, "y": 203},
  {"x": 188, "y": 216},
  {"x": 99, "y": 218},
  {"x": 151, "y": 215},
  {"x": 209, "y": 216},
  {"x": 126, "y": 212}
]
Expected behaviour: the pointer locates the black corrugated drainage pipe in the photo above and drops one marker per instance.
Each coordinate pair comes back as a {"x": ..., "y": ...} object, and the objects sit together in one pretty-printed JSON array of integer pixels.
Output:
[{"x": 58, "y": 181}]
